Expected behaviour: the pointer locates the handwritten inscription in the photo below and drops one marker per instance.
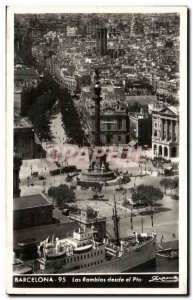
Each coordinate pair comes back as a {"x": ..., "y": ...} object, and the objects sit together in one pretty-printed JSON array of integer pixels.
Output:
[{"x": 164, "y": 279}]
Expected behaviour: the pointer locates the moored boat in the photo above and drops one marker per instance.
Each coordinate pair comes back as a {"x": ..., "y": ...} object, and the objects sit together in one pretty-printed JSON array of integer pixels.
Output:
[
  {"x": 87, "y": 252},
  {"x": 168, "y": 253}
]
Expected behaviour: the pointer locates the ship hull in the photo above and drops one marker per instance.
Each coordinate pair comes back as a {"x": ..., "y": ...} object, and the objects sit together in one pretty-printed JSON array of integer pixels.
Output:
[
  {"x": 127, "y": 261},
  {"x": 98, "y": 263}
]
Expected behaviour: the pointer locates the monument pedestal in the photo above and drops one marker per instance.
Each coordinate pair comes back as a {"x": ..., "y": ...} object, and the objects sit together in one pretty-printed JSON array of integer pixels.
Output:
[{"x": 97, "y": 175}]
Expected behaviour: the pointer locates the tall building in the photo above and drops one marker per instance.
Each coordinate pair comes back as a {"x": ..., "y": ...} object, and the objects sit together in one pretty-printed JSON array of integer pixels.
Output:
[
  {"x": 113, "y": 125},
  {"x": 101, "y": 41},
  {"x": 140, "y": 126},
  {"x": 165, "y": 131},
  {"x": 24, "y": 138},
  {"x": 26, "y": 142}
]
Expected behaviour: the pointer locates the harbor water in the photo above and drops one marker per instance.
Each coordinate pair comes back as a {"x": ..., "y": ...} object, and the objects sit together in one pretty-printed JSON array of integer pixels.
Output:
[{"x": 160, "y": 265}]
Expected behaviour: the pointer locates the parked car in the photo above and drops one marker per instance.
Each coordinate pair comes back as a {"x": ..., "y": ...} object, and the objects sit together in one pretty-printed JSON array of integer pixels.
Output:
[
  {"x": 35, "y": 174},
  {"x": 42, "y": 178},
  {"x": 96, "y": 196}
]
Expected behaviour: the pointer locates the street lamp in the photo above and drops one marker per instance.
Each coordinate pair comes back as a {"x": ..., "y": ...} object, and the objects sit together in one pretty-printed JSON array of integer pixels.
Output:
[
  {"x": 44, "y": 183},
  {"x": 131, "y": 217},
  {"x": 31, "y": 167},
  {"x": 28, "y": 178},
  {"x": 124, "y": 195},
  {"x": 152, "y": 211}
]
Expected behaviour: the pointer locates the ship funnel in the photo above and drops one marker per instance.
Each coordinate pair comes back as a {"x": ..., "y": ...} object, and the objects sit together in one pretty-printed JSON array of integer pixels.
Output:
[
  {"x": 58, "y": 245},
  {"x": 122, "y": 243},
  {"x": 53, "y": 238},
  {"x": 136, "y": 237},
  {"x": 92, "y": 227}
]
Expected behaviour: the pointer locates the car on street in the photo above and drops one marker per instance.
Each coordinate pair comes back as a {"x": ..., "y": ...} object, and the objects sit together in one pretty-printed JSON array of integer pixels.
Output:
[
  {"x": 96, "y": 196},
  {"x": 35, "y": 174},
  {"x": 42, "y": 178}
]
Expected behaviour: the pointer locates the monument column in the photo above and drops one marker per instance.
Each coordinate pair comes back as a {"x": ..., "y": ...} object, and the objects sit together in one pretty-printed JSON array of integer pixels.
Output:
[
  {"x": 97, "y": 99},
  {"x": 98, "y": 169}
]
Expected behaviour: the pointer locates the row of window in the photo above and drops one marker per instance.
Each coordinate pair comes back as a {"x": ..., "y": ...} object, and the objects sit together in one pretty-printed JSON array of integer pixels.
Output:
[
  {"x": 84, "y": 256},
  {"x": 85, "y": 234},
  {"x": 156, "y": 124},
  {"x": 91, "y": 264},
  {"x": 119, "y": 126}
]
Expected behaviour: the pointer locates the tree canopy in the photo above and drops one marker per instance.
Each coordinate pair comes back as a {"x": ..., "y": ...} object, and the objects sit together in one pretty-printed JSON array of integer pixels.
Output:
[
  {"x": 61, "y": 194},
  {"x": 169, "y": 183},
  {"x": 146, "y": 194},
  {"x": 36, "y": 104},
  {"x": 70, "y": 117}
]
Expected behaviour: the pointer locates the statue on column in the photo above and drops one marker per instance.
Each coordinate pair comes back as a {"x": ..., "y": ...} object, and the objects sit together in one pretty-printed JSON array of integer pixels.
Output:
[{"x": 97, "y": 163}]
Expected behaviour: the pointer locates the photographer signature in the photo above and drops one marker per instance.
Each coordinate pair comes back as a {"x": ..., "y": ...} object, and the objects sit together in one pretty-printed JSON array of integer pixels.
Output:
[{"x": 164, "y": 279}]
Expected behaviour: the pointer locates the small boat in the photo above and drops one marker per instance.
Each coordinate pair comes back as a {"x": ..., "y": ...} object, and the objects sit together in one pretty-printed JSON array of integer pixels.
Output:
[
  {"x": 83, "y": 248},
  {"x": 168, "y": 253}
]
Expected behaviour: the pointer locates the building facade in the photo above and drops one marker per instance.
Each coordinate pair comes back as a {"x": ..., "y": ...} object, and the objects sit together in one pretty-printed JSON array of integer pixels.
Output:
[
  {"x": 68, "y": 81},
  {"x": 24, "y": 138},
  {"x": 165, "y": 132},
  {"x": 140, "y": 127},
  {"x": 26, "y": 142},
  {"x": 31, "y": 211},
  {"x": 113, "y": 125}
]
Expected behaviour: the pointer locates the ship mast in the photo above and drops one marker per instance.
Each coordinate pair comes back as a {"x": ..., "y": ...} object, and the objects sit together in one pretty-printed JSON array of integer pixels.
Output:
[{"x": 116, "y": 223}]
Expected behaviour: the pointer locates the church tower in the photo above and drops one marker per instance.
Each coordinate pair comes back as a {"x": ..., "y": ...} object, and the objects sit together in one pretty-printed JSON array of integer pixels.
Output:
[{"x": 101, "y": 41}]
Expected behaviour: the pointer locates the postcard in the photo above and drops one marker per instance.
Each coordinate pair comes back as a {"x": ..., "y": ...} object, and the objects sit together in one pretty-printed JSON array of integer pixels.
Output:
[{"x": 96, "y": 150}]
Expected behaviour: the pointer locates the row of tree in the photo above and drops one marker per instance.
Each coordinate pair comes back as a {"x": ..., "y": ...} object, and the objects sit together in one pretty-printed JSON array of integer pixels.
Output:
[
  {"x": 37, "y": 104},
  {"x": 30, "y": 95},
  {"x": 70, "y": 119},
  {"x": 69, "y": 113}
]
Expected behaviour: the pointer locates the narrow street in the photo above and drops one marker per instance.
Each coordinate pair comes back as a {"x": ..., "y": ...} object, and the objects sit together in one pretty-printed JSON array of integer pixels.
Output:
[{"x": 57, "y": 133}]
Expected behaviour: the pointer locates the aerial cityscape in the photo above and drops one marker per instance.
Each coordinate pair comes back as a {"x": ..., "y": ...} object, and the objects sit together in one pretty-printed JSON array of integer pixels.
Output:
[{"x": 96, "y": 143}]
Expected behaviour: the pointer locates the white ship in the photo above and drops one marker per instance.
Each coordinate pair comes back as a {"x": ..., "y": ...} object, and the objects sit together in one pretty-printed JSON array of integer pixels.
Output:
[{"x": 85, "y": 252}]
